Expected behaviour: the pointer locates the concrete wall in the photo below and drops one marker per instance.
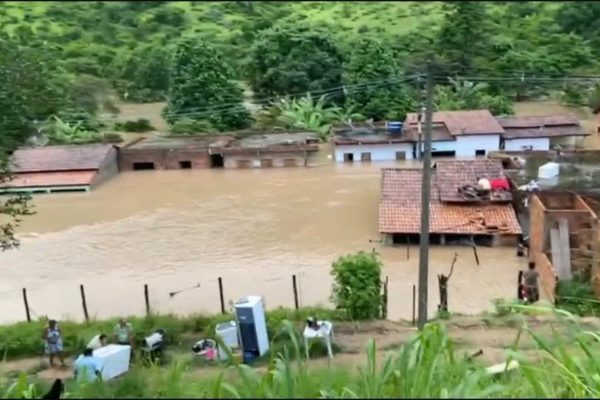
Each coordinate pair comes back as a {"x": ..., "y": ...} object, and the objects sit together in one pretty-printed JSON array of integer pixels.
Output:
[
  {"x": 468, "y": 144},
  {"x": 379, "y": 152},
  {"x": 545, "y": 210},
  {"x": 108, "y": 168},
  {"x": 537, "y": 246},
  {"x": 267, "y": 160},
  {"x": 523, "y": 144},
  {"x": 162, "y": 158}
]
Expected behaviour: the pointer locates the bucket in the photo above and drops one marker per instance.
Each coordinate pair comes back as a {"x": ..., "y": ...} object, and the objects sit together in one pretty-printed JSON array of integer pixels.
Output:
[{"x": 395, "y": 127}]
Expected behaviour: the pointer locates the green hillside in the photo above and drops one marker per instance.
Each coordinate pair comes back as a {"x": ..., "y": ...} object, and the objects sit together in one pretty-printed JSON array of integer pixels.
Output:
[{"x": 84, "y": 53}]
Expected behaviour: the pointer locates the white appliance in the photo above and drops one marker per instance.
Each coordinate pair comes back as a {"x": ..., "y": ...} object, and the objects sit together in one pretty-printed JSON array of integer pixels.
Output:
[
  {"x": 229, "y": 335},
  {"x": 548, "y": 170},
  {"x": 250, "y": 315},
  {"x": 114, "y": 360}
]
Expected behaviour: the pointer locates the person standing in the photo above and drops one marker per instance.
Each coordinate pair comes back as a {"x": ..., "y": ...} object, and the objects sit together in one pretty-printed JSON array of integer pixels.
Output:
[
  {"x": 123, "y": 333},
  {"x": 530, "y": 281},
  {"x": 53, "y": 342},
  {"x": 87, "y": 367}
]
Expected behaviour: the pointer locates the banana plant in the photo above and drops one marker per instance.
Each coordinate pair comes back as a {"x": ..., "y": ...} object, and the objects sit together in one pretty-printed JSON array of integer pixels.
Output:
[{"x": 315, "y": 116}]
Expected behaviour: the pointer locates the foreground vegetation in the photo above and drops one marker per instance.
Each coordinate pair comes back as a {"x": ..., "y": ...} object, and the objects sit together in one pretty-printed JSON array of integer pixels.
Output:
[{"x": 428, "y": 365}]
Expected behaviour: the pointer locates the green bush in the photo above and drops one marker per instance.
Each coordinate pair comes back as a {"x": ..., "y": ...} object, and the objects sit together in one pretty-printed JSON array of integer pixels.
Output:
[
  {"x": 357, "y": 285},
  {"x": 577, "y": 297},
  {"x": 140, "y": 125}
]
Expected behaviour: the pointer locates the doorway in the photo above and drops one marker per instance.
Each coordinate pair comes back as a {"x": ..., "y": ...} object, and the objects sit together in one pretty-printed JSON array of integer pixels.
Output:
[
  {"x": 217, "y": 161},
  {"x": 348, "y": 157},
  {"x": 185, "y": 164}
]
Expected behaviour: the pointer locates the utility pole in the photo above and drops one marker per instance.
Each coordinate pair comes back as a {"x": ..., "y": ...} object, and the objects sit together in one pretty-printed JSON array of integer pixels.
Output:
[{"x": 425, "y": 197}]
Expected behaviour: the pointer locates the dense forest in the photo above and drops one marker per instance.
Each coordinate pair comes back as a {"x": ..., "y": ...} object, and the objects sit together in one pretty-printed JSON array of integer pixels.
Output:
[{"x": 234, "y": 65}]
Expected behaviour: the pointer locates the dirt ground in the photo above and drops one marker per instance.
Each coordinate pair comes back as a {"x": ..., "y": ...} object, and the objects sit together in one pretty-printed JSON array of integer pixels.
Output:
[{"x": 494, "y": 336}]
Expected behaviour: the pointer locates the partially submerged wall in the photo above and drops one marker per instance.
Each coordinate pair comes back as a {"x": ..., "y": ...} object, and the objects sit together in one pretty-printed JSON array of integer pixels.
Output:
[{"x": 545, "y": 211}]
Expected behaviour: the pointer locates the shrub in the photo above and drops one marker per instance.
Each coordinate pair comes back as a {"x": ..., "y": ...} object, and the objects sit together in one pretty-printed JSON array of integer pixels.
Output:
[
  {"x": 140, "y": 125},
  {"x": 577, "y": 297},
  {"x": 357, "y": 285}
]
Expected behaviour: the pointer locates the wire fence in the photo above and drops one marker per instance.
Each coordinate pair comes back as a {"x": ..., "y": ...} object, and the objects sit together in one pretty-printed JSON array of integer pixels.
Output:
[{"x": 295, "y": 291}]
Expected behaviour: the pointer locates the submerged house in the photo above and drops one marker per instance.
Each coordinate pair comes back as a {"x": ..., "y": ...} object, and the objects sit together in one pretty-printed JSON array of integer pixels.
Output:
[
  {"x": 540, "y": 132},
  {"x": 222, "y": 151},
  {"x": 61, "y": 168},
  {"x": 463, "y": 134},
  {"x": 453, "y": 215},
  {"x": 380, "y": 142},
  {"x": 270, "y": 150}
]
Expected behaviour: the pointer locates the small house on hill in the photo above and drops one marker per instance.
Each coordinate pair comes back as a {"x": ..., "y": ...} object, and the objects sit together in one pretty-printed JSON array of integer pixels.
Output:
[
  {"x": 452, "y": 215},
  {"x": 61, "y": 168},
  {"x": 540, "y": 132}
]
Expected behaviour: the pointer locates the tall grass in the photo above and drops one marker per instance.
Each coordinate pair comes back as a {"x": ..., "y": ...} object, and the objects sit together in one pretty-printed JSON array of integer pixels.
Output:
[
  {"x": 23, "y": 339},
  {"x": 428, "y": 365}
]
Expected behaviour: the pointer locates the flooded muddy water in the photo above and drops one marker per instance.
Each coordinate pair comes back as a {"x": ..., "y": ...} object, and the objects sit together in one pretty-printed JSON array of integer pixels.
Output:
[{"x": 254, "y": 228}]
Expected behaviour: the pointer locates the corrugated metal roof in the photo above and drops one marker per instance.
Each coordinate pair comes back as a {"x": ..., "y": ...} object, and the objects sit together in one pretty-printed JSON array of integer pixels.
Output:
[
  {"x": 541, "y": 126},
  {"x": 465, "y": 122},
  {"x": 59, "y": 158}
]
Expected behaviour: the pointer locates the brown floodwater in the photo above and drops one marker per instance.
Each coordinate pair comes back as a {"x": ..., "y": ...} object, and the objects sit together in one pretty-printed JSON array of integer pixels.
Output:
[{"x": 254, "y": 228}]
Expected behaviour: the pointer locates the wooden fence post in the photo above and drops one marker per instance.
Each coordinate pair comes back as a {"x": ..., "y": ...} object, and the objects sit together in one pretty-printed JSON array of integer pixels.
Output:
[
  {"x": 295, "y": 287},
  {"x": 147, "y": 299},
  {"x": 26, "y": 305},
  {"x": 414, "y": 298},
  {"x": 221, "y": 295},
  {"x": 384, "y": 305},
  {"x": 84, "y": 303}
]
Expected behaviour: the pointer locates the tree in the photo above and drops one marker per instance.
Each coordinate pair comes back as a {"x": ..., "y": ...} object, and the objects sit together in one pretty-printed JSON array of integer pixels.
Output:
[
  {"x": 31, "y": 89},
  {"x": 202, "y": 87},
  {"x": 315, "y": 116},
  {"x": 295, "y": 59},
  {"x": 145, "y": 73},
  {"x": 357, "y": 285},
  {"x": 465, "y": 95},
  {"x": 463, "y": 38},
  {"x": 376, "y": 82},
  {"x": 12, "y": 209},
  {"x": 581, "y": 17}
]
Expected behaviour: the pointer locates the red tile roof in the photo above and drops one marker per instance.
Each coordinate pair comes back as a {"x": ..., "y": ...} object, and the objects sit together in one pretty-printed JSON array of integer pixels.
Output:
[
  {"x": 400, "y": 209},
  {"x": 456, "y": 173},
  {"x": 541, "y": 126},
  {"x": 467, "y": 122},
  {"x": 49, "y": 179},
  {"x": 59, "y": 158}
]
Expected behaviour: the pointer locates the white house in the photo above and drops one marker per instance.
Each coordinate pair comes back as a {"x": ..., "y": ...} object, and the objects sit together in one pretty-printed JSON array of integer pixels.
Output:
[
  {"x": 540, "y": 132},
  {"x": 371, "y": 143},
  {"x": 464, "y": 134},
  {"x": 467, "y": 133}
]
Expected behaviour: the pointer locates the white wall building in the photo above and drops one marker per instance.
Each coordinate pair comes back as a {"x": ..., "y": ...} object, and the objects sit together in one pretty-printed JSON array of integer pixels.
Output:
[{"x": 463, "y": 134}]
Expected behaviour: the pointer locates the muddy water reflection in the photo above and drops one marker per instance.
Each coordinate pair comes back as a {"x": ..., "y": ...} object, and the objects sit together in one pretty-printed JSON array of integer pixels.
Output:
[{"x": 172, "y": 229}]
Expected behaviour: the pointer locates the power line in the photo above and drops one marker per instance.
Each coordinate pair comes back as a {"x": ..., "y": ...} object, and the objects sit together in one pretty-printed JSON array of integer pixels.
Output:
[{"x": 235, "y": 107}]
